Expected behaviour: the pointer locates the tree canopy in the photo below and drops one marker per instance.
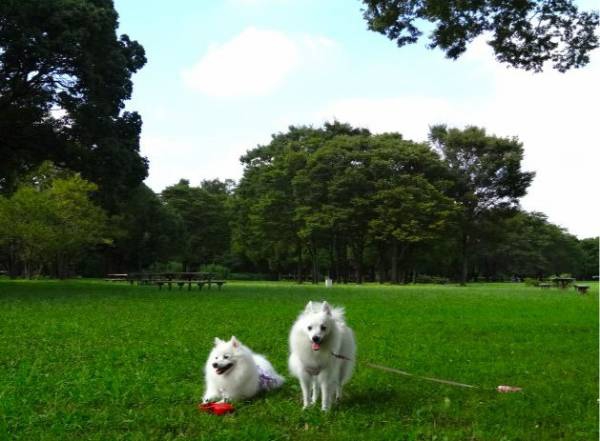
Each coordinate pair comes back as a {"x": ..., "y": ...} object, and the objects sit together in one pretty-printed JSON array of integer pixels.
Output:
[
  {"x": 64, "y": 78},
  {"x": 487, "y": 177},
  {"x": 337, "y": 197},
  {"x": 334, "y": 200},
  {"x": 50, "y": 222},
  {"x": 204, "y": 215},
  {"x": 524, "y": 34}
]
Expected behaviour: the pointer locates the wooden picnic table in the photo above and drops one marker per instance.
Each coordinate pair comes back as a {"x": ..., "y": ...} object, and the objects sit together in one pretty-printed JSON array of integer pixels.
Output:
[
  {"x": 171, "y": 275},
  {"x": 581, "y": 289},
  {"x": 563, "y": 282},
  {"x": 180, "y": 279},
  {"x": 120, "y": 277}
]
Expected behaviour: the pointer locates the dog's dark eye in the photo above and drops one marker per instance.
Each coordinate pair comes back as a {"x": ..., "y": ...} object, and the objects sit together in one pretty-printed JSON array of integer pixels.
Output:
[
  {"x": 323, "y": 328},
  {"x": 310, "y": 328},
  {"x": 225, "y": 357}
]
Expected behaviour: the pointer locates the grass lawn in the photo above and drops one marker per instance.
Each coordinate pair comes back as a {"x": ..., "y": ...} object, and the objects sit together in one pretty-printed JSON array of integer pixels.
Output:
[{"x": 93, "y": 360}]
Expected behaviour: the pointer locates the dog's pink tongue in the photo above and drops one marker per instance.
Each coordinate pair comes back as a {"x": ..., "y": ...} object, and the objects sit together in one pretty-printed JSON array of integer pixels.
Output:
[{"x": 316, "y": 346}]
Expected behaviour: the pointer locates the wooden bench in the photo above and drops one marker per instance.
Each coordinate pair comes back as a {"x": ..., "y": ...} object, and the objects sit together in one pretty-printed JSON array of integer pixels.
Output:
[
  {"x": 545, "y": 285},
  {"x": 581, "y": 289},
  {"x": 219, "y": 283},
  {"x": 181, "y": 283},
  {"x": 161, "y": 282},
  {"x": 209, "y": 283},
  {"x": 120, "y": 277},
  {"x": 116, "y": 277}
]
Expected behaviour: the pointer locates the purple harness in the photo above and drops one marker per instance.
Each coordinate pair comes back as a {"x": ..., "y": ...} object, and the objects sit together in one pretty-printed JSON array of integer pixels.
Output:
[{"x": 265, "y": 381}]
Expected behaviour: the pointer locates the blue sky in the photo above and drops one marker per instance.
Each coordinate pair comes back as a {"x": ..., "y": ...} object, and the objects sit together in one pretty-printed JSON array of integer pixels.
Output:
[{"x": 223, "y": 75}]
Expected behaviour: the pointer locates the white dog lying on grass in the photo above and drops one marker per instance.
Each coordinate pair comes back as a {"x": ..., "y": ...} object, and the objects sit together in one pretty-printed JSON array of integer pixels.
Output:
[
  {"x": 234, "y": 372},
  {"x": 322, "y": 353}
]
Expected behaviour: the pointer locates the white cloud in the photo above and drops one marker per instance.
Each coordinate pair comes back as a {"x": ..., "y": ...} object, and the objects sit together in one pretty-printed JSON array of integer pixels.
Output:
[
  {"x": 178, "y": 157},
  {"x": 256, "y": 62},
  {"x": 410, "y": 116},
  {"x": 553, "y": 115}
]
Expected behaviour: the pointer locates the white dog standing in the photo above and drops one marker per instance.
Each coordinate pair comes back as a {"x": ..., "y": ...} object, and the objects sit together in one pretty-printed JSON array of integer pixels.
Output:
[
  {"x": 322, "y": 353},
  {"x": 234, "y": 372}
]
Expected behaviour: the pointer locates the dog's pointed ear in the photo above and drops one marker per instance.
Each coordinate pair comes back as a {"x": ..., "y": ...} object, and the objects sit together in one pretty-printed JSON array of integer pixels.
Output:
[
  {"x": 235, "y": 342},
  {"x": 218, "y": 341},
  {"x": 326, "y": 308},
  {"x": 309, "y": 307}
]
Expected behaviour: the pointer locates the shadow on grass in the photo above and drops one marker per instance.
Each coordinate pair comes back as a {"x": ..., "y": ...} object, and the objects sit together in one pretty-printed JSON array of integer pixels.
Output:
[{"x": 377, "y": 401}]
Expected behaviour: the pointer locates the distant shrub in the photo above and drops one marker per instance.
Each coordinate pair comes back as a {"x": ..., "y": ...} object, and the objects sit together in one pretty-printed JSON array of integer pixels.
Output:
[
  {"x": 250, "y": 277},
  {"x": 166, "y": 267},
  {"x": 220, "y": 271},
  {"x": 529, "y": 281},
  {"x": 425, "y": 278}
]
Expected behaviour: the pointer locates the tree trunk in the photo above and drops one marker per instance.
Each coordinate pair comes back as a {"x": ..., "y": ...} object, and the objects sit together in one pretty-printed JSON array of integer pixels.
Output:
[
  {"x": 395, "y": 261},
  {"x": 299, "y": 277},
  {"x": 13, "y": 269},
  {"x": 315, "y": 264},
  {"x": 331, "y": 266},
  {"x": 358, "y": 251},
  {"x": 465, "y": 260}
]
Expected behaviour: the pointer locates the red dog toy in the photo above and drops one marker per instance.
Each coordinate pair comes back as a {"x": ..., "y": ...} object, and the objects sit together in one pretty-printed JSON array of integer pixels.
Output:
[{"x": 216, "y": 408}]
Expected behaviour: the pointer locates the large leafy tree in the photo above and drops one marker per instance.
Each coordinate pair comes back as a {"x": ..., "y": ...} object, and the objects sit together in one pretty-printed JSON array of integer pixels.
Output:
[
  {"x": 524, "y": 244},
  {"x": 204, "y": 213},
  {"x": 271, "y": 205},
  {"x": 50, "y": 221},
  {"x": 524, "y": 34},
  {"x": 410, "y": 205},
  {"x": 325, "y": 196},
  {"x": 589, "y": 249},
  {"x": 487, "y": 175},
  {"x": 333, "y": 201},
  {"x": 64, "y": 77},
  {"x": 146, "y": 231}
]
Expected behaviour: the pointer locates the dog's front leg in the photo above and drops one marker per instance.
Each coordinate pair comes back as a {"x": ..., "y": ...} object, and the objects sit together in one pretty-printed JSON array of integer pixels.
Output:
[
  {"x": 338, "y": 391},
  {"x": 210, "y": 394},
  {"x": 327, "y": 389},
  {"x": 315, "y": 390},
  {"x": 306, "y": 381}
]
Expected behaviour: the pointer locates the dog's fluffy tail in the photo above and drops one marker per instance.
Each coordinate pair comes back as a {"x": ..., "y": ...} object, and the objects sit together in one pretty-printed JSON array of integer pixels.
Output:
[
  {"x": 268, "y": 377},
  {"x": 338, "y": 314}
]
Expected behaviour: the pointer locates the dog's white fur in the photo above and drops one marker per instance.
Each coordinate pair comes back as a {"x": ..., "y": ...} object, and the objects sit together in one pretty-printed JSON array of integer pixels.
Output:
[
  {"x": 316, "y": 364},
  {"x": 245, "y": 376}
]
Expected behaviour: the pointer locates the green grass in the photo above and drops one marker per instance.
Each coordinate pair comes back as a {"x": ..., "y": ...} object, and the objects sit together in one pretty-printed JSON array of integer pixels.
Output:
[{"x": 91, "y": 360}]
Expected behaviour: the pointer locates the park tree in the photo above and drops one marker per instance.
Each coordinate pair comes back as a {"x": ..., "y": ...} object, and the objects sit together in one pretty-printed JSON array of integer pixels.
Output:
[
  {"x": 268, "y": 215},
  {"x": 326, "y": 196},
  {"x": 64, "y": 78},
  {"x": 532, "y": 246},
  {"x": 204, "y": 212},
  {"x": 265, "y": 223},
  {"x": 411, "y": 208},
  {"x": 589, "y": 250},
  {"x": 333, "y": 209},
  {"x": 146, "y": 231},
  {"x": 523, "y": 34},
  {"x": 486, "y": 173},
  {"x": 50, "y": 223}
]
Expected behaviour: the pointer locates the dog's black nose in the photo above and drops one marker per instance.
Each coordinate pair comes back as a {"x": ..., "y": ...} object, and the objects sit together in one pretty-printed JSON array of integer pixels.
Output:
[
  {"x": 215, "y": 365},
  {"x": 316, "y": 338}
]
